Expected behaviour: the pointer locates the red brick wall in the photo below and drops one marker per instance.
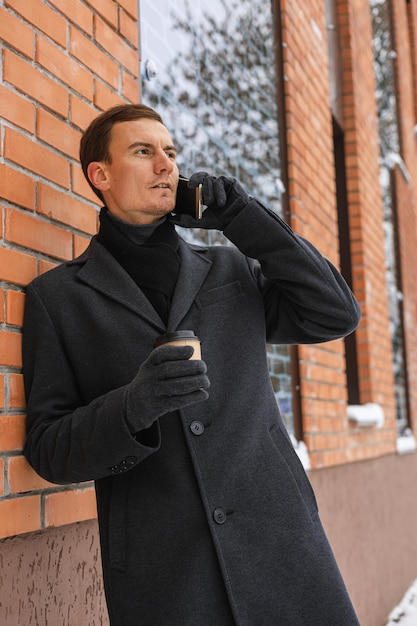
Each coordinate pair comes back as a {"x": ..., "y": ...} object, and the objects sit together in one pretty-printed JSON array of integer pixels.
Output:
[
  {"x": 329, "y": 435},
  {"x": 405, "y": 23},
  {"x": 61, "y": 63},
  {"x": 313, "y": 214},
  {"x": 366, "y": 231}
]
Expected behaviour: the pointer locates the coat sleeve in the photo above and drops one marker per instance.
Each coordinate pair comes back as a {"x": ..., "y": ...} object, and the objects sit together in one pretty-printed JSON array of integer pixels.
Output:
[
  {"x": 68, "y": 441},
  {"x": 305, "y": 297}
]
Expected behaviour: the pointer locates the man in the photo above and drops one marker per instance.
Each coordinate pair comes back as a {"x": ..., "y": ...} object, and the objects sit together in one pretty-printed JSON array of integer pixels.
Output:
[{"x": 206, "y": 515}]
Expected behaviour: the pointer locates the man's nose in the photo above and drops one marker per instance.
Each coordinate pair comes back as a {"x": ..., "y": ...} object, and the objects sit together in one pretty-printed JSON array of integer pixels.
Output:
[{"x": 163, "y": 162}]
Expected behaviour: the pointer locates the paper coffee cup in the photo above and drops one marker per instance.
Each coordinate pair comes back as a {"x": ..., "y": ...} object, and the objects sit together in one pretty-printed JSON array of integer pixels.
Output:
[{"x": 181, "y": 338}]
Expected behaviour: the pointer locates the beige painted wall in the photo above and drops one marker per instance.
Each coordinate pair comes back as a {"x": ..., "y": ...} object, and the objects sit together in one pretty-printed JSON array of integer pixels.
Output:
[
  {"x": 53, "y": 578},
  {"x": 369, "y": 510}
]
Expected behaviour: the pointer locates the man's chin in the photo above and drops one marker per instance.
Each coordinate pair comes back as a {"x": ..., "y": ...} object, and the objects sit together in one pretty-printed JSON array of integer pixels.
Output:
[
  {"x": 157, "y": 213},
  {"x": 165, "y": 208}
]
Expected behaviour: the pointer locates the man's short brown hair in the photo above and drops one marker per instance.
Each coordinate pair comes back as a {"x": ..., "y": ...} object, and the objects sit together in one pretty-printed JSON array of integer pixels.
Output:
[{"x": 95, "y": 142}]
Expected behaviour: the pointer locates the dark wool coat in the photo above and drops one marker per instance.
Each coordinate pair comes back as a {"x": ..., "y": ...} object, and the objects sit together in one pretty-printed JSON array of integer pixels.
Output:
[{"x": 210, "y": 519}]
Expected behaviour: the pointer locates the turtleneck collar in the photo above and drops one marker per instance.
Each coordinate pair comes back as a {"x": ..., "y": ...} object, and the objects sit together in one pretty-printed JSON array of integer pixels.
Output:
[
  {"x": 148, "y": 254},
  {"x": 136, "y": 233}
]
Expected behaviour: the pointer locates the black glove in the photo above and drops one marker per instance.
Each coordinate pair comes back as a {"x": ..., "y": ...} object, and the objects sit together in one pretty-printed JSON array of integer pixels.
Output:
[
  {"x": 224, "y": 198},
  {"x": 165, "y": 382}
]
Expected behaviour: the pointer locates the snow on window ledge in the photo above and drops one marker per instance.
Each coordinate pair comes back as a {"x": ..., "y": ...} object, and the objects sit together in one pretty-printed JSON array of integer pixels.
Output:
[
  {"x": 302, "y": 452},
  {"x": 393, "y": 159},
  {"x": 366, "y": 415},
  {"x": 406, "y": 442}
]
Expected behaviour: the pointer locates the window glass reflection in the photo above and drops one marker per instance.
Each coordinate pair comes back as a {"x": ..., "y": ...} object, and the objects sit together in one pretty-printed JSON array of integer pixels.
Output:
[{"x": 209, "y": 69}]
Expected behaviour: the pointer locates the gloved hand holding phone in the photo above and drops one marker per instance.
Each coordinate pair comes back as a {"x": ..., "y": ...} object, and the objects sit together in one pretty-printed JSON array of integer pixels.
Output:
[{"x": 224, "y": 198}]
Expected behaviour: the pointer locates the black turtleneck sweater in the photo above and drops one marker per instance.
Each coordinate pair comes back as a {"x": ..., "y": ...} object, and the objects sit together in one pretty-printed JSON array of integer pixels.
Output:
[{"x": 149, "y": 254}]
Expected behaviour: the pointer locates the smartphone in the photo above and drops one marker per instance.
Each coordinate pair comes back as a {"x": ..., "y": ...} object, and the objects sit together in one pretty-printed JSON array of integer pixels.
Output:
[{"x": 189, "y": 201}]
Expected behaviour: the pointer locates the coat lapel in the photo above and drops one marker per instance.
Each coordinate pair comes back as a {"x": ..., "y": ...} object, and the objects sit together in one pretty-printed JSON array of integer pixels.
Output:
[
  {"x": 100, "y": 270},
  {"x": 193, "y": 272}
]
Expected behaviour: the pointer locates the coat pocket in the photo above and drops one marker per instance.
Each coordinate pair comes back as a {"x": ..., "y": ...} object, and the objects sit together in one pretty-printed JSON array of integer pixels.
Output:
[
  {"x": 218, "y": 294},
  {"x": 290, "y": 457}
]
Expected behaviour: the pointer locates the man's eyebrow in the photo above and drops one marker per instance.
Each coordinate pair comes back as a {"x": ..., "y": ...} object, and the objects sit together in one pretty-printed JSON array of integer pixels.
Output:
[{"x": 145, "y": 144}]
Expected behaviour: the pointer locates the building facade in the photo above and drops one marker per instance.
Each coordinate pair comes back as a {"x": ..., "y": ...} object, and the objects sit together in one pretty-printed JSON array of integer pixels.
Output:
[{"x": 321, "y": 122}]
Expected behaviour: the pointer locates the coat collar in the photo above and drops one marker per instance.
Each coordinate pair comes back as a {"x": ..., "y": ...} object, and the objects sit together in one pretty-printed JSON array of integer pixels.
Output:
[{"x": 100, "y": 270}]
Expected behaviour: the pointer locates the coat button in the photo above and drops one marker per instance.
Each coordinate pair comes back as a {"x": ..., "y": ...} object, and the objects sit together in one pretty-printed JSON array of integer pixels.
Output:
[
  {"x": 219, "y": 516},
  {"x": 124, "y": 466},
  {"x": 197, "y": 428}
]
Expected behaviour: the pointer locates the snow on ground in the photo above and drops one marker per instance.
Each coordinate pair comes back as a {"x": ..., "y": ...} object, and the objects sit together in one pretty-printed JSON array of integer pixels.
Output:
[{"x": 405, "y": 614}]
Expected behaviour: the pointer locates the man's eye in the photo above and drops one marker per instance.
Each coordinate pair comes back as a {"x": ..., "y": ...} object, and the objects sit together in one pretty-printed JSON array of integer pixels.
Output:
[
  {"x": 141, "y": 151},
  {"x": 172, "y": 155}
]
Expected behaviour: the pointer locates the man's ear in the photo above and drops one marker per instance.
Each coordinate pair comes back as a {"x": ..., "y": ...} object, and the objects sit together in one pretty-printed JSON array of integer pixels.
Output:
[{"x": 97, "y": 175}]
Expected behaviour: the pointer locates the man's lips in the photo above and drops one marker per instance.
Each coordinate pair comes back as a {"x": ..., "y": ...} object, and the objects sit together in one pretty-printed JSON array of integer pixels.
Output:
[{"x": 162, "y": 186}]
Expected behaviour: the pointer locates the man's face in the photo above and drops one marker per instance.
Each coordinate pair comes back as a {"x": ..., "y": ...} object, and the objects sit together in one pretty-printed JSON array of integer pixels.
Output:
[{"x": 140, "y": 183}]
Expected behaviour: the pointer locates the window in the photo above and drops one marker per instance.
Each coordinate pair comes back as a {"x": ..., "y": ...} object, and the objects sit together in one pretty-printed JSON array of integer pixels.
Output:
[
  {"x": 384, "y": 55},
  {"x": 336, "y": 102},
  {"x": 210, "y": 70}
]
